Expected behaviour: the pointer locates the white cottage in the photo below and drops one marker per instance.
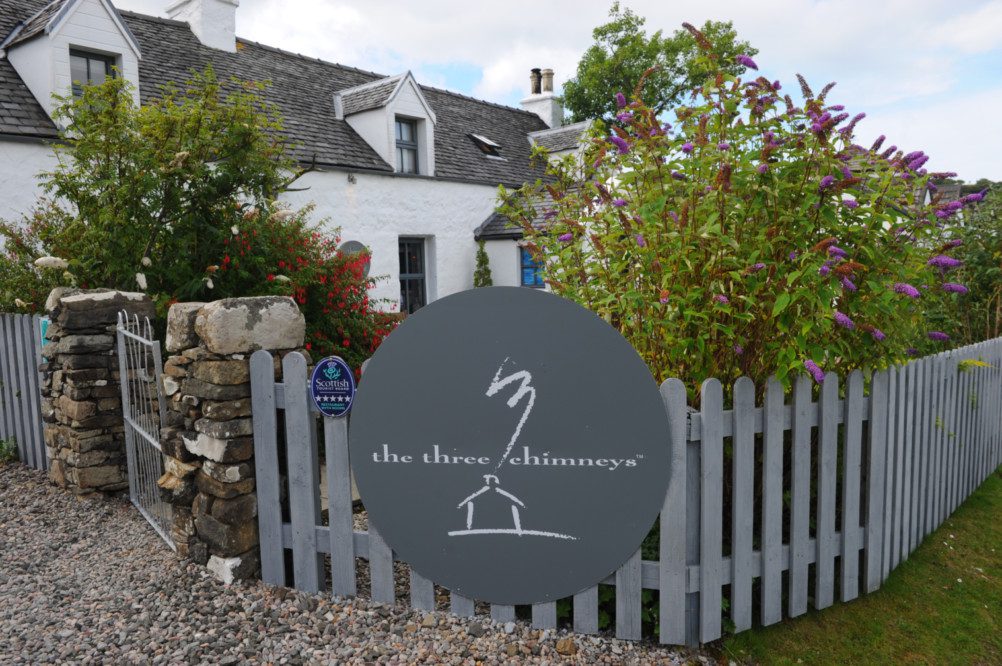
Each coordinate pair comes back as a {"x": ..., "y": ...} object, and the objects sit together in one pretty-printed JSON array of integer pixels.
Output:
[{"x": 408, "y": 170}]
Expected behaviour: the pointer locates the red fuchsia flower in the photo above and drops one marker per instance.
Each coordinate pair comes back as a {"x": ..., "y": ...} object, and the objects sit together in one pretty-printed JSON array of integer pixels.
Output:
[
  {"x": 843, "y": 320},
  {"x": 720, "y": 298},
  {"x": 723, "y": 145},
  {"x": 663, "y": 296},
  {"x": 738, "y": 349},
  {"x": 271, "y": 277},
  {"x": 826, "y": 182},
  {"x": 847, "y": 284},
  {"x": 943, "y": 261},
  {"x": 687, "y": 147},
  {"x": 954, "y": 288},
  {"x": 938, "y": 336},
  {"x": 621, "y": 145},
  {"x": 618, "y": 202},
  {"x": 746, "y": 61},
  {"x": 620, "y": 100},
  {"x": 565, "y": 238},
  {"x": 641, "y": 241},
  {"x": 816, "y": 372},
  {"x": 877, "y": 334},
  {"x": 906, "y": 289}
]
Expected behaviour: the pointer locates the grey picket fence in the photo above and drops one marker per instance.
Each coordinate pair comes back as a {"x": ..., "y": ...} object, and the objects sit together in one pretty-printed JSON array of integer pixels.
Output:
[
  {"x": 838, "y": 489},
  {"x": 20, "y": 394}
]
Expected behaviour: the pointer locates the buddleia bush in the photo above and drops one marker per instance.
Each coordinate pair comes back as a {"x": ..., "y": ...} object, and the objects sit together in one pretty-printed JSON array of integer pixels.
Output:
[{"x": 749, "y": 235}]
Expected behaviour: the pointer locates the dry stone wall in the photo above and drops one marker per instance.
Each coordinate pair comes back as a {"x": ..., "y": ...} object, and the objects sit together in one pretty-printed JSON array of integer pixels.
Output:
[
  {"x": 208, "y": 441},
  {"x": 81, "y": 395}
]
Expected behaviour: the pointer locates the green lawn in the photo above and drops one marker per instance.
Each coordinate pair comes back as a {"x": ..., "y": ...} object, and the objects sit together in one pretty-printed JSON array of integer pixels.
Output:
[{"x": 942, "y": 606}]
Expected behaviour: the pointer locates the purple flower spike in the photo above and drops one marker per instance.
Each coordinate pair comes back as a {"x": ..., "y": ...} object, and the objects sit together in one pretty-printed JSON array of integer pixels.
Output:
[
  {"x": 906, "y": 289},
  {"x": 673, "y": 215},
  {"x": 816, "y": 372},
  {"x": 620, "y": 100},
  {"x": 678, "y": 175},
  {"x": 755, "y": 268},
  {"x": 911, "y": 351},
  {"x": 878, "y": 143},
  {"x": 850, "y": 203},
  {"x": 826, "y": 182},
  {"x": 836, "y": 251},
  {"x": 825, "y": 269},
  {"x": 620, "y": 144},
  {"x": 792, "y": 256},
  {"x": 954, "y": 288},
  {"x": 687, "y": 147},
  {"x": 975, "y": 197},
  {"x": 720, "y": 298},
  {"x": 618, "y": 202},
  {"x": 641, "y": 241},
  {"x": 739, "y": 350},
  {"x": 723, "y": 145},
  {"x": 762, "y": 168},
  {"x": 938, "y": 336},
  {"x": 848, "y": 284},
  {"x": 746, "y": 61},
  {"x": 956, "y": 242},
  {"x": 878, "y": 335},
  {"x": 624, "y": 117},
  {"x": 843, "y": 320},
  {"x": 565, "y": 238},
  {"x": 776, "y": 85},
  {"x": 943, "y": 261}
]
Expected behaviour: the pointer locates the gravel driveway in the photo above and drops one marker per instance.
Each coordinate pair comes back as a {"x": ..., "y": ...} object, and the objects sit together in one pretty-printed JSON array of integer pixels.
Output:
[{"x": 88, "y": 581}]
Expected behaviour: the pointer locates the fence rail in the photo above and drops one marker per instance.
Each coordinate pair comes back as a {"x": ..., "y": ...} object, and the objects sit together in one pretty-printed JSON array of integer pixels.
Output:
[
  {"x": 828, "y": 494},
  {"x": 20, "y": 394}
]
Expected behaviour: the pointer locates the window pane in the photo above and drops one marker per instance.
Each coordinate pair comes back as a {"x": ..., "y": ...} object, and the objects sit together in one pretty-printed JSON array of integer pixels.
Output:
[
  {"x": 98, "y": 71},
  {"x": 408, "y": 160},
  {"x": 78, "y": 72},
  {"x": 405, "y": 130},
  {"x": 528, "y": 277}
]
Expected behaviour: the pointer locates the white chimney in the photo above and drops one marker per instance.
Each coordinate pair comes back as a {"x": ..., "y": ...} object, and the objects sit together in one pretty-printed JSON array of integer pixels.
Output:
[
  {"x": 212, "y": 21},
  {"x": 541, "y": 99}
]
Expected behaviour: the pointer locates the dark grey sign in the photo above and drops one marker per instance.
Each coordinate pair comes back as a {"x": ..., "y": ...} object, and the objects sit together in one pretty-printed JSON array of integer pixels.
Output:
[{"x": 510, "y": 445}]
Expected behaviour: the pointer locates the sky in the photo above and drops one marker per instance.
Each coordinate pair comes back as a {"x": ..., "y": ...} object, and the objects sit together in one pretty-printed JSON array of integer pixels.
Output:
[{"x": 928, "y": 73}]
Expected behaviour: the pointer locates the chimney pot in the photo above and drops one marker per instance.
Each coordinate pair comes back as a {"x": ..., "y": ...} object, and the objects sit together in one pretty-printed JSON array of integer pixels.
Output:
[
  {"x": 212, "y": 21},
  {"x": 535, "y": 78},
  {"x": 547, "y": 80}
]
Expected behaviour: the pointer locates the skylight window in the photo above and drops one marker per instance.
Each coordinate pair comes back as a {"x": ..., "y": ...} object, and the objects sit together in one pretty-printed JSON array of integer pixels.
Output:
[{"x": 486, "y": 146}]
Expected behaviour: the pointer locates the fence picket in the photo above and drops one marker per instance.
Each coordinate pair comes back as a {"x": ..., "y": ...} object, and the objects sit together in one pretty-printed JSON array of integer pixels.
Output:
[
  {"x": 672, "y": 570},
  {"x": 851, "y": 462},
  {"x": 800, "y": 506},
  {"x": 304, "y": 476},
  {"x": 824, "y": 568},
  {"x": 711, "y": 510},
  {"x": 693, "y": 493},
  {"x": 889, "y": 468},
  {"x": 772, "y": 503},
  {"x": 36, "y": 391},
  {"x": 6, "y": 390},
  {"x": 900, "y": 465},
  {"x": 628, "y": 592},
  {"x": 909, "y": 460},
  {"x": 268, "y": 484},
  {"x": 23, "y": 393},
  {"x": 380, "y": 568},
  {"x": 742, "y": 503},
  {"x": 875, "y": 478},
  {"x": 918, "y": 466},
  {"x": 339, "y": 508},
  {"x": 932, "y": 479},
  {"x": 586, "y": 611}
]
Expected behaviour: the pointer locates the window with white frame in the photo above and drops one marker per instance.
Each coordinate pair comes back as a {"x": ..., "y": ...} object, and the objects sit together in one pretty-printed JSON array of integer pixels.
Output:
[
  {"x": 89, "y": 69},
  {"x": 407, "y": 145}
]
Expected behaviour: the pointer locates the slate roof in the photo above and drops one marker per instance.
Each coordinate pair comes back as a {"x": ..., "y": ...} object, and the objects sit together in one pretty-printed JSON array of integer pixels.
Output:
[
  {"x": 36, "y": 24},
  {"x": 368, "y": 97},
  {"x": 499, "y": 227},
  {"x": 20, "y": 113},
  {"x": 303, "y": 90},
  {"x": 557, "y": 139}
]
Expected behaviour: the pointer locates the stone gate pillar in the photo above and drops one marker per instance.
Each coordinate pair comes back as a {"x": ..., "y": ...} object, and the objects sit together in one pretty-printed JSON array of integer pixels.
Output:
[
  {"x": 208, "y": 441},
  {"x": 81, "y": 395}
]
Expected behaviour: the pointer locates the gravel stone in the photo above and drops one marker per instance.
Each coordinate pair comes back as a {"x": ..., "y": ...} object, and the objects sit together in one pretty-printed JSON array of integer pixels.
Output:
[{"x": 86, "y": 580}]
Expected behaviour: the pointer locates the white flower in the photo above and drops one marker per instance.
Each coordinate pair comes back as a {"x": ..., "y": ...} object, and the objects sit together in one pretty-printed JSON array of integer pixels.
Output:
[
  {"x": 235, "y": 230},
  {"x": 141, "y": 281},
  {"x": 282, "y": 278},
  {"x": 208, "y": 283},
  {"x": 146, "y": 261},
  {"x": 283, "y": 214},
  {"x": 19, "y": 303},
  {"x": 52, "y": 262}
]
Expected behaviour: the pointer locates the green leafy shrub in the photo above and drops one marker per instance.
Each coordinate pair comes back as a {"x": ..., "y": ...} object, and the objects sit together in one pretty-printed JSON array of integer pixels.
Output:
[
  {"x": 979, "y": 310},
  {"x": 8, "y": 451},
  {"x": 752, "y": 237},
  {"x": 482, "y": 274}
]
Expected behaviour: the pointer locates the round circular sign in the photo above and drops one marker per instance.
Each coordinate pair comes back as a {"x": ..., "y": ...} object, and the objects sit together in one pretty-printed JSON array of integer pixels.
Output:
[
  {"x": 510, "y": 445},
  {"x": 332, "y": 386},
  {"x": 355, "y": 247}
]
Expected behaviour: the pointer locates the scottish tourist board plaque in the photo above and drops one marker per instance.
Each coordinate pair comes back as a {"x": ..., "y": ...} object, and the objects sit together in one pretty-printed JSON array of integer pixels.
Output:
[
  {"x": 332, "y": 386},
  {"x": 510, "y": 445}
]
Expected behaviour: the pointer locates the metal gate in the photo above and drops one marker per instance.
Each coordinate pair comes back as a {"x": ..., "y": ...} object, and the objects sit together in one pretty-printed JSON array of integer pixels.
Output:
[{"x": 144, "y": 409}]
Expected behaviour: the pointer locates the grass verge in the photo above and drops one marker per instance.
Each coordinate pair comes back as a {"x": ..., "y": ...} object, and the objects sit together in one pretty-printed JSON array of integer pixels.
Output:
[{"x": 941, "y": 606}]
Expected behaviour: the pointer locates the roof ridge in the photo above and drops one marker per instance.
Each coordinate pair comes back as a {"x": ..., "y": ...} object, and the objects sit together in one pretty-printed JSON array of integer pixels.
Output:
[
  {"x": 370, "y": 84},
  {"x": 477, "y": 99},
  {"x": 580, "y": 123}
]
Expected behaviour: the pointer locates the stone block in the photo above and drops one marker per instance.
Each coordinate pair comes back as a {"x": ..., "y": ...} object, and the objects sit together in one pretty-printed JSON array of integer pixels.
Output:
[
  {"x": 57, "y": 472},
  {"x": 171, "y": 385},
  {"x": 73, "y": 361},
  {"x": 206, "y": 484},
  {"x": 93, "y": 308},
  {"x": 174, "y": 367},
  {"x": 202, "y": 505},
  {"x": 200, "y": 389},
  {"x": 241, "y": 325},
  {"x": 226, "y": 540},
  {"x": 198, "y": 551},
  {"x": 226, "y": 373},
  {"x": 179, "y": 468},
  {"x": 95, "y": 477},
  {"x": 176, "y": 490},
  {"x": 181, "y": 326},
  {"x": 234, "y": 511},
  {"x": 82, "y": 344},
  {"x": 225, "y": 429},
  {"x": 92, "y": 458},
  {"x": 227, "y": 410},
  {"x": 228, "y": 473},
  {"x": 75, "y": 409},
  {"x": 239, "y": 567},
  {"x": 219, "y": 450}
]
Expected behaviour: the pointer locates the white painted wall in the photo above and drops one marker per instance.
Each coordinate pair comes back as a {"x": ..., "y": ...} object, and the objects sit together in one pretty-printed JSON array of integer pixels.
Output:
[
  {"x": 504, "y": 260},
  {"x": 20, "y": 163},
  {"x": 44, "y": 62},
  {"x": 377, "y": 210}
]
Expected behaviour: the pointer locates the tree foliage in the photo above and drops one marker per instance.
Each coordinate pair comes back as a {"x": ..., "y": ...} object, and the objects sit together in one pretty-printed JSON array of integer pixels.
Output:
[
  {"x": 979, "y": 311},
  {"x": 622, "y": 52},
  {"x": 482, "y": 274},
  {"x": 754, "y": 237}
]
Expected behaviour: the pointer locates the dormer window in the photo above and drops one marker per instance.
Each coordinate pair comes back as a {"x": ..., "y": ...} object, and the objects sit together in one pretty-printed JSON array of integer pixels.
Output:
[
  {"x": 89, "y": 69},
  {"x": 407, "y": 146},
  {"x": 486, "y": 146}
]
